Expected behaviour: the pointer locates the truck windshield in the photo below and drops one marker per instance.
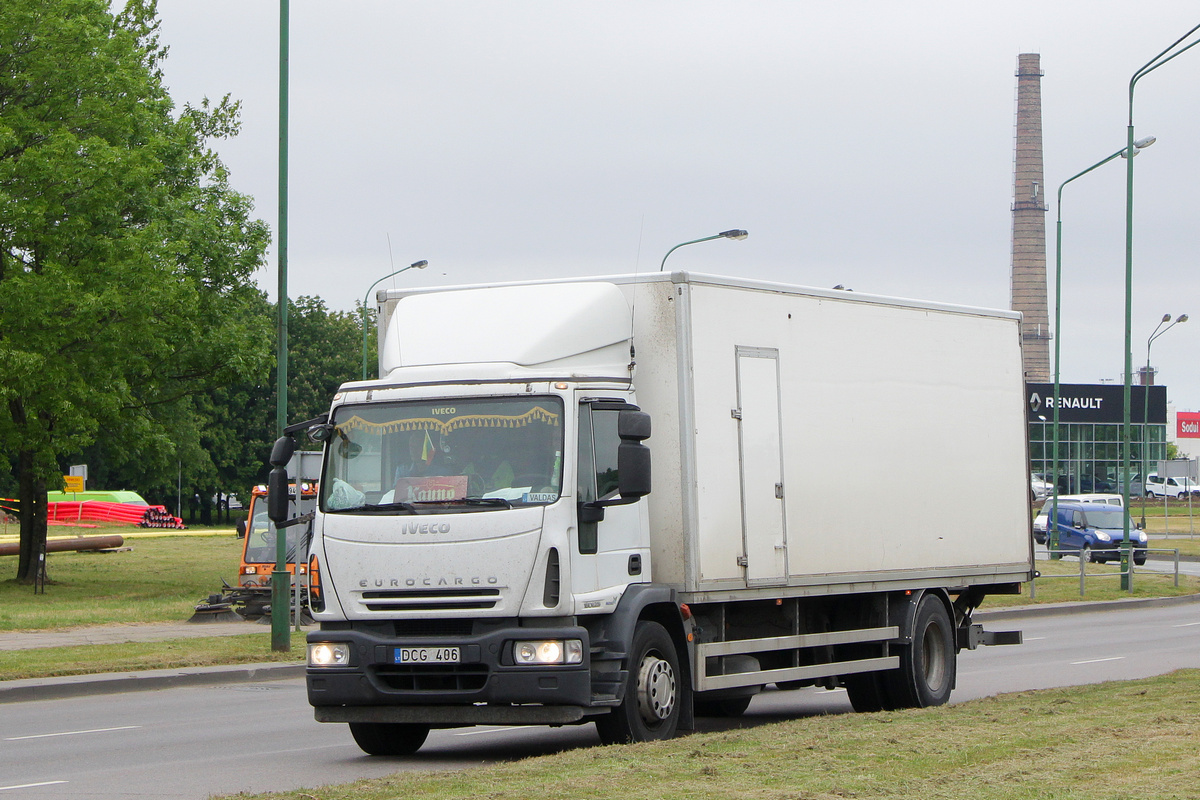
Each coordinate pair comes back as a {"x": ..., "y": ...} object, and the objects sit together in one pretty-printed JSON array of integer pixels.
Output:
[
  {"x": 465, "y": 454},
  {"x": 260, "y": 540}
]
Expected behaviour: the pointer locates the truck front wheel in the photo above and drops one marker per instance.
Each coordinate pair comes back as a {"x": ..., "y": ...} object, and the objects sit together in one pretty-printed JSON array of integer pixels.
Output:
[
  {"x": 650, "y": 709},
  {"x": 389, "y": 738}
]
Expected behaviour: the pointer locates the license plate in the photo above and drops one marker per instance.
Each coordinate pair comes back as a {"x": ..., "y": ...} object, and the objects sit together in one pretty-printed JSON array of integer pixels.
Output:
[{"x": 427, "y": 655}]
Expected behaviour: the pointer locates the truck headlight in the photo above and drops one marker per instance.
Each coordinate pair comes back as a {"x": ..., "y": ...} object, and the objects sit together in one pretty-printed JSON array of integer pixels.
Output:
[
  {"x": 1141, "y": 536},
  {"x": 1102, "y": 536},
  {"x": 551, "y": 651},
  {"x": 329, "y": 654}
]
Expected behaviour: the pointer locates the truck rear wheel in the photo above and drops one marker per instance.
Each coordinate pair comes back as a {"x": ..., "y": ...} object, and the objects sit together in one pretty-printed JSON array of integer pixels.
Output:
[
  {"x": 389, "y": 738},
  {"x": 927, "y": 666},
  {"x": 650, "y": 709}
]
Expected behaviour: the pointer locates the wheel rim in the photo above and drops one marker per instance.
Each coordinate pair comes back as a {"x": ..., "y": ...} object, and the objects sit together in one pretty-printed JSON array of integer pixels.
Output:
[
  {"x": 933, "y": 650},
  {"x": 656, "y": 689}
]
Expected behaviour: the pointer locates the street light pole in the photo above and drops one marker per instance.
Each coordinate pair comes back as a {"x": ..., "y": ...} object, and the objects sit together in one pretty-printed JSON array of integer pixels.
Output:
[
  {"x": 415, "y": 265},
  {"x": 1153, "y": 64},
  {"x": 1146, "y": 401},
  {"x": 281, "y": 639},
  {"x": 1052, "y": 520},
  {"x": 730, "y": 234}
]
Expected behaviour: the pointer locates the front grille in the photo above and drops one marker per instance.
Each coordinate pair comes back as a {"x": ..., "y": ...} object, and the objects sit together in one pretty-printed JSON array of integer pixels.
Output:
[
  {"x": 433, "y": 627},
  {"x": 434, "y": 677},
  {"x": 430, "y": 600}
]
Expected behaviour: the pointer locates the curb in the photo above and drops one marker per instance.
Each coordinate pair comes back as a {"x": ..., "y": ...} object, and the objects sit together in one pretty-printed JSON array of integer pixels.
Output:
[{"x": 148, "y": 680}]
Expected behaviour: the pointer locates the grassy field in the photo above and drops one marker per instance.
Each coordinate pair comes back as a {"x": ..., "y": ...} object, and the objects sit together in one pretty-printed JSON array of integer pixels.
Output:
[
  {"x": 1113, "y": 741},
  {"x": 160, "y": 578}
]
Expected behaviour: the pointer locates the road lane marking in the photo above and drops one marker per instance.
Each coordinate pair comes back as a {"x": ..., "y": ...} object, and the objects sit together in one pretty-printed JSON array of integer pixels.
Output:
[
  {"x": 1097, "y": 660},
  {"x": 1034, "y": 638},
  {"x": 71, "y": 733},
  {"x": 1186, "y": 625},
  {"x": 31, "y": 785}
]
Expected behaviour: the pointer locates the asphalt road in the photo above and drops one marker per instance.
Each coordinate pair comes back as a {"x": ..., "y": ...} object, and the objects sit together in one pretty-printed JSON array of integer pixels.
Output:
[{"x": 188, "y": 743}]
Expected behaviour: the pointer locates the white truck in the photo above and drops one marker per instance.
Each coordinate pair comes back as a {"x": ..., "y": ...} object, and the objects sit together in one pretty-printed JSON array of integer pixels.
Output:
[{"x": 490, "y": 546}]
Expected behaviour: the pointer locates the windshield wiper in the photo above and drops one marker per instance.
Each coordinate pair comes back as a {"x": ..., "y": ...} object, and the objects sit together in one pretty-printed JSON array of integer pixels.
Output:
[
  {"x": 376, "y": 508},
  {"x": 499, "y": 502}
]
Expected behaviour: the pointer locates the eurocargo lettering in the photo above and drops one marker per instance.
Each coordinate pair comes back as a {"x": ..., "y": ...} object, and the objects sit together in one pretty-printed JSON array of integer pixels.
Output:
[{"x": 650, "y": 471}]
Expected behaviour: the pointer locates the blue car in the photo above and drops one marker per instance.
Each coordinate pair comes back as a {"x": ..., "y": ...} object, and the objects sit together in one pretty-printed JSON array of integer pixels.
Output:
[{"x": 1096, "y": 531}]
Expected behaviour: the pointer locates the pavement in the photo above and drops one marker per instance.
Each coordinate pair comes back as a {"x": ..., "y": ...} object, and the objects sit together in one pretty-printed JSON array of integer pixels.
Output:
[{"x": 147, "y": 680}]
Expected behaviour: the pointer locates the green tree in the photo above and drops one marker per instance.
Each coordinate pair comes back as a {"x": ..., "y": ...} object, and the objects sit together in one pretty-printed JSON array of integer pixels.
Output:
[
  {"x": 222, "y": 441},
  {"x": 125, "y": 256}
]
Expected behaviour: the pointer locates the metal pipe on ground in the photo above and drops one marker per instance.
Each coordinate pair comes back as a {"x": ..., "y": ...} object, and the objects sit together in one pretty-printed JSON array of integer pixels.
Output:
[{"x": 63, "y": 545}]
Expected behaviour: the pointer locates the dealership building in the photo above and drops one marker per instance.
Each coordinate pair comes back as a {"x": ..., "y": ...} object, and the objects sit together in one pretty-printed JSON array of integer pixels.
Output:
[{"x": 1090, "y": 417}]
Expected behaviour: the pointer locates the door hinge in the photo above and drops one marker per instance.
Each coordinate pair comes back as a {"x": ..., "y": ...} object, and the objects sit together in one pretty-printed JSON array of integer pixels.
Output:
[
  {"x": 742, "y": 562},
  {"x": 736, "y": 413}
]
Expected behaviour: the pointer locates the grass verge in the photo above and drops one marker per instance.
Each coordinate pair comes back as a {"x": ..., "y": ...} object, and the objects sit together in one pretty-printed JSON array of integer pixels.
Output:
[
  {"x": 90, "y": 659},
  {"x": 1113, "y": 741}
]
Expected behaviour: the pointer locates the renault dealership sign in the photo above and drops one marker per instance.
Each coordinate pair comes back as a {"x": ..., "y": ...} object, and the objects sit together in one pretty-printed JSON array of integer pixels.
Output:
[{"x": 1088, "y": 402}]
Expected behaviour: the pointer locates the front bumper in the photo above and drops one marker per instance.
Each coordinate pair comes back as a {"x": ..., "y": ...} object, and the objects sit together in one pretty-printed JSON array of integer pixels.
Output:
[
  {"x": 1111, "y": 551},
  {"x": 375, "y": 688}
]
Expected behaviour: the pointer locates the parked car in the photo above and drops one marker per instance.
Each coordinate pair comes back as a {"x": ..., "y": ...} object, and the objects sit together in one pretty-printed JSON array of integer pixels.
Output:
[
  {"x": 1170, "y": 487},
  {"x": 1096, "y": 532},
  {"x": 1039, "y": 522},
  {"x": 1135, "y": 485},
  {"x": 1082, "y": 484},
  {"x": 1039, "y": 488}
]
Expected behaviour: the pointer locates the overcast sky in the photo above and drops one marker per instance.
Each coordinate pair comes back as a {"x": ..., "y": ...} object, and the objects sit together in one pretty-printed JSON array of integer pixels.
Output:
[{"x": 863, "y": 143}]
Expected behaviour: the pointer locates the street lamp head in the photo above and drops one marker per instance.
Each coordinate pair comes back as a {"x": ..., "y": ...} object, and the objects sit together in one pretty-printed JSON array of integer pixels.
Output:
[
  {"x": 418, "y": 264},
  {"x": 1166, "y": 318},
  {"x": 1139, "y": 146},
  {"x": 734, "y": 234},
  {"x": 1182, "y": 318}
]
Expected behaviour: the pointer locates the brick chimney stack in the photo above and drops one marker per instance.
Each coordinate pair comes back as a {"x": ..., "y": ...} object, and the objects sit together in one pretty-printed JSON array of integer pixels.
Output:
[{"x": 1029, "y": 207}]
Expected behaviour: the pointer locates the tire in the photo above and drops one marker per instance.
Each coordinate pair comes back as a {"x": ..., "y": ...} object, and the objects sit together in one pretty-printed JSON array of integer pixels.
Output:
[
  {"x": 653, "y": 692},
  {"x": 1139, "y": 560},
  {"x": 389, "y": 738},
  {"x": 729, "y": 707},
  {"x": 1085, "y": 553},
  {"x": 928, "y": 668},
  {"x": 866, "y": 692}
]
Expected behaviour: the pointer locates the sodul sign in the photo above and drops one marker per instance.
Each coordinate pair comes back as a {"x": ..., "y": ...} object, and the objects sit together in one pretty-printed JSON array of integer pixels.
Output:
[{"x": 1187, "y": 425}]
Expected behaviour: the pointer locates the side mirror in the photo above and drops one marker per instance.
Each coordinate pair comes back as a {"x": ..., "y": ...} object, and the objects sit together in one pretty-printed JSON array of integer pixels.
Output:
[
  {"x": 282, "y": 451},
  {"x": 633, "y": 470},
  {"x": 277, "y": 494},
  {"x": 633, "y": 425},
  {"x": 633, "y": 457}
]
